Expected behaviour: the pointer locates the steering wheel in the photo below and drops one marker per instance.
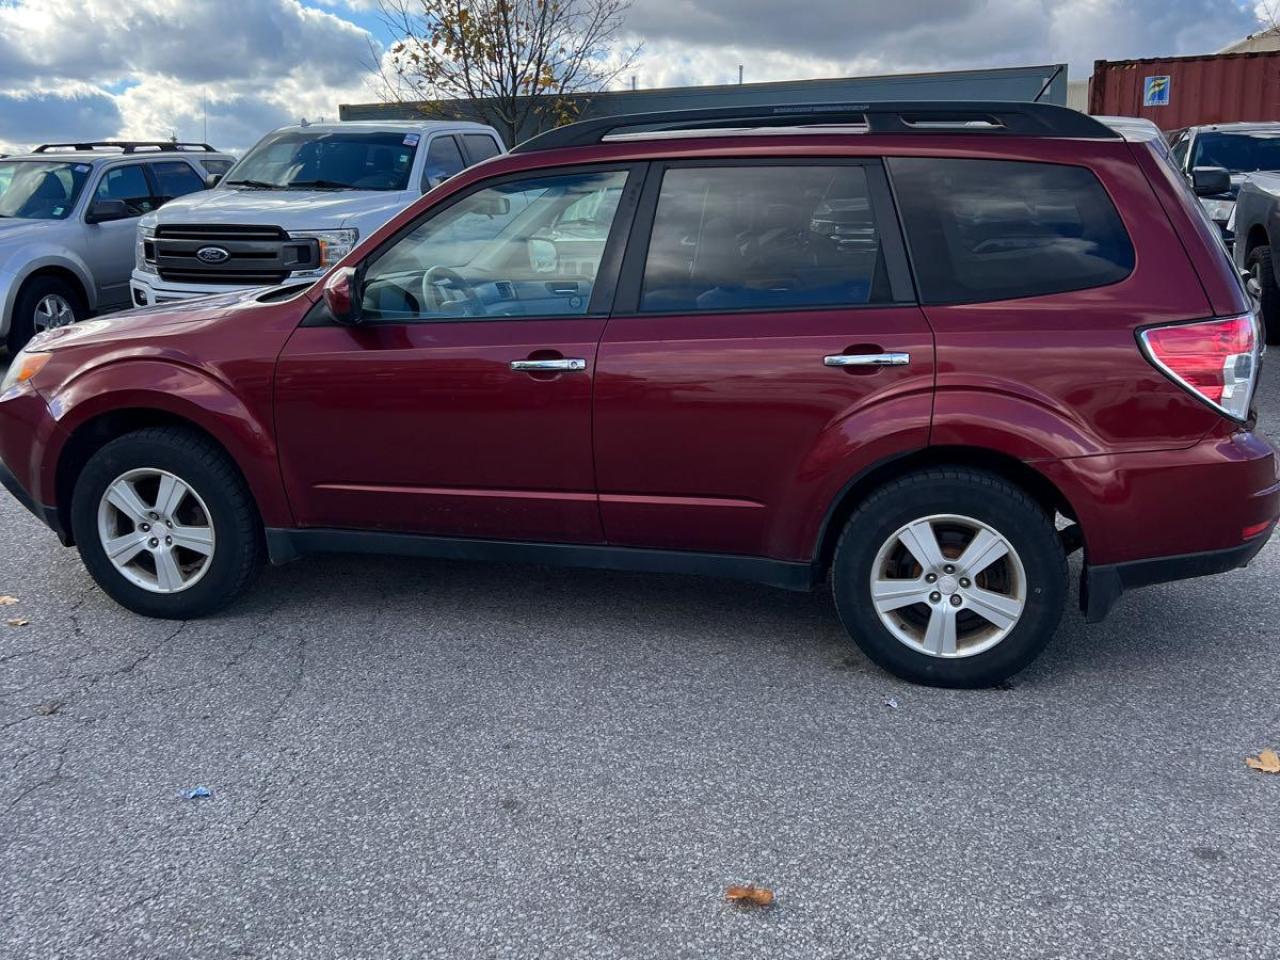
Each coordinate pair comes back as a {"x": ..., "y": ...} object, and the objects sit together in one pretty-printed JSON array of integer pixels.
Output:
[{"x": 437, "y": 275}]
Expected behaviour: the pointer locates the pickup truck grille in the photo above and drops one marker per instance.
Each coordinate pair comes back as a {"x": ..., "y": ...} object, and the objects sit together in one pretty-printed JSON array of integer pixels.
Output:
[{"x": 253, "y": 254}]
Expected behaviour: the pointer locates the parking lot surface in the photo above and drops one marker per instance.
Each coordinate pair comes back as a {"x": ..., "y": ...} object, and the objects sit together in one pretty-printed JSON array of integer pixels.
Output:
[{"x": 426, "y": 759}]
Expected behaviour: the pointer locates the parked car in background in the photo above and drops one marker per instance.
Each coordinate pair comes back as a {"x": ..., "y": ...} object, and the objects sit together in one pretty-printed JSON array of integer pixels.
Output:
[
  {"x": 1256, "y": 223},
  {"x": 297, "y": 203},
  {"x": 68, "y": 217},
  {"x": 1236, "y": 149},
  {"x": 709, "y": 366}
]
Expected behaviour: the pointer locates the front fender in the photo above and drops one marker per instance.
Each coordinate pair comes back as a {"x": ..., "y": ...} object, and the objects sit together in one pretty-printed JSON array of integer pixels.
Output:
[
  {"x": 181, "y": 391},
  {"x": 31, "y": 258}
]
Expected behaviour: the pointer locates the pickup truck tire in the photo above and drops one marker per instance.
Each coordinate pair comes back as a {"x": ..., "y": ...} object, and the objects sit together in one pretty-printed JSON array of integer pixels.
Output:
[
  {"x": 43, "y": 302},
  {"x": 165, "y": 523},
  {"x": 1263, "y": 285},
  {"x": 950, "y": 577}
]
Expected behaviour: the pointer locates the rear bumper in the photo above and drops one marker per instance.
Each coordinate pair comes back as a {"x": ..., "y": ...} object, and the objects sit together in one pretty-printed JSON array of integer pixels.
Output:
[{"x": 1101, "y": 586}]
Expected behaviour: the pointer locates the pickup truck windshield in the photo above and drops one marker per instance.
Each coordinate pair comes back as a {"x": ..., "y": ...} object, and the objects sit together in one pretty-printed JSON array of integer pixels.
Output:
[
  {"x": 1238, "y": 152},
  {"x": 38, "y": 190},
  {"x": 299, "y": 160}
]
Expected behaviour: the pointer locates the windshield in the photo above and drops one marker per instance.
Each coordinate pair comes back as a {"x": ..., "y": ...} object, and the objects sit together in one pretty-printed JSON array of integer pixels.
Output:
[
  {"x": 299, "y": 160},
  {"x": 1238, "y": 152},
  {"x": 40, "y": 190}
]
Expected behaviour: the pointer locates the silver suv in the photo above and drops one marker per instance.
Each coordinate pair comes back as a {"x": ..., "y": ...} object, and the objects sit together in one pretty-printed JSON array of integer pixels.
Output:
[{"x": 68, "y": 219}]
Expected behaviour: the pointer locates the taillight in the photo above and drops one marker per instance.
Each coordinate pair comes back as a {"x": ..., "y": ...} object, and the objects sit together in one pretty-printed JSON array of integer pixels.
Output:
[{"x": 1217, "y": 360}]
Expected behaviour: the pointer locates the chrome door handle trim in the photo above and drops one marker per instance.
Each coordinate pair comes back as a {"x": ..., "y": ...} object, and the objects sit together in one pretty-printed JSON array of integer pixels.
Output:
[
  {"x": 534, "y": 366},
  {"x": 867, "y": 360}
]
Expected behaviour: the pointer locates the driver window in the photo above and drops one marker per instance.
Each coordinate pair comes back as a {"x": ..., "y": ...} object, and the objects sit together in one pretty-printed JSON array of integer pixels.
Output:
[{"x": 523, "y": 248}]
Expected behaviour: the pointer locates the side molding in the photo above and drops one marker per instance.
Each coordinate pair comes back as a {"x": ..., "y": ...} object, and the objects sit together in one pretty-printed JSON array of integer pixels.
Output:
[{"x": 284, "y": 545}]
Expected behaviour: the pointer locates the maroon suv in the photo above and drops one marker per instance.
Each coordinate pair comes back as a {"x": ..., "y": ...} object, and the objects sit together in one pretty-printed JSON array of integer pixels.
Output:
[{"x": 927, "y": 351}]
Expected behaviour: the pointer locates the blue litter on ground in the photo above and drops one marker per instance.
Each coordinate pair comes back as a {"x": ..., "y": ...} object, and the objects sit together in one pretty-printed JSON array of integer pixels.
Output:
[{"x": 198, "y": 793}]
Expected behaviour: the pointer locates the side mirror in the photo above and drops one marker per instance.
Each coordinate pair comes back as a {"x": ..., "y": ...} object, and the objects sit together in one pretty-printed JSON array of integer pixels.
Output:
[
  {"x": 101, "y": 211},
  {"x": 341, "y": 296},
  {"x": 543, "y": 257},
  {"x": 212, "y": 180},
  {"x": 1210, "y": 181}
]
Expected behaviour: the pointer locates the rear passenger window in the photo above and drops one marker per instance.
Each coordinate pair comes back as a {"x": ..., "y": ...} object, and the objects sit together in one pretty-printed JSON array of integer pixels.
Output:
[
  {"x": 444, "y": 160},
  {"x": 480, "y": 146},
  {"x": 984, "y": 230},
  {"x": 757, "y": 237},
  {"x": 174, "y": 178}
]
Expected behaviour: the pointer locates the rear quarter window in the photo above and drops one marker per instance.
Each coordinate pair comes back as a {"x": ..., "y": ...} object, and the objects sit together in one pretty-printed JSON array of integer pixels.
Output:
[{"x": 982, "y": 230}]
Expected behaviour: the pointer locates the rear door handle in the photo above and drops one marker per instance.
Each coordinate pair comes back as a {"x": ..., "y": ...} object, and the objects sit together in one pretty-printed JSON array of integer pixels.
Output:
[
  {"x": 559, "y": 366},
  {"x": 867, "y": 360}
]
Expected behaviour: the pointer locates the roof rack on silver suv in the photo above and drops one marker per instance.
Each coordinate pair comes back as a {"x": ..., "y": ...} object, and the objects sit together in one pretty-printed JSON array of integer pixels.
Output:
[
  {"x": 128, "y": 146},
  {"x": 937, "y": 116}
]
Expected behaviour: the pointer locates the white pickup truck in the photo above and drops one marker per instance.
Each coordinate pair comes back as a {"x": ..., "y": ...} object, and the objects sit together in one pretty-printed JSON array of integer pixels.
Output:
[{"x": 297, "y": 203}]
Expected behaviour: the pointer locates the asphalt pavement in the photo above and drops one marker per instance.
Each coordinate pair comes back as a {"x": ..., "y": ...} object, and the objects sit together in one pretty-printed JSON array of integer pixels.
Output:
[{"x": 430, "y": 759}]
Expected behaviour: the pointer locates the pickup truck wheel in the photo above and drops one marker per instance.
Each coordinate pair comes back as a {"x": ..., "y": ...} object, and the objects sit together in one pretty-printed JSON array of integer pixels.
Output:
[
  {"x": 42, "y": 304},
  {"x": 951, "y": 578},
  {"x": 1264, "y": 288},
  {"x": 165, "y": 524}
]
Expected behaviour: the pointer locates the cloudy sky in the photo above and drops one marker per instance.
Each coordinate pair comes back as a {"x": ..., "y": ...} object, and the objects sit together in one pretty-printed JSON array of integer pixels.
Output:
[{"x": 80, "y": 69}]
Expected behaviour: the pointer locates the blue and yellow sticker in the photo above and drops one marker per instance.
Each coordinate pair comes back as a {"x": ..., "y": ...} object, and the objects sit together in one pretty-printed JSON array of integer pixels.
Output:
[{"x": 1155, "y": 91}]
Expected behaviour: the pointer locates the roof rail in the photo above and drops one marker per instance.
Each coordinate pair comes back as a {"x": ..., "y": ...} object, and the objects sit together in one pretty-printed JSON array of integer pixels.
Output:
[
  {"x": 933, "y": 116},
  {"x": 129, "y": 146}
]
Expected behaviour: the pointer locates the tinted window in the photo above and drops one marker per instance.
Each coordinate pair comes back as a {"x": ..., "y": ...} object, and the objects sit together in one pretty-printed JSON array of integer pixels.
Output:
[
  {"x": 997, "y": 229},
  {"x": 503, "y": 251},
  {"x": 1238, "y": 152},
  {"x": 128, "y": 184},
  {"x": 174, "y": 178},
  {"x": 36, "y": 190},
  {"x": 302, "y": 160},
  {"x": 217, "y": 166},
  {"x": 444, "y": 160},
  {"x": 480, "y": 146},
  {"x": 740, "y": 238},
  {"x": 1179, "y": 151}
]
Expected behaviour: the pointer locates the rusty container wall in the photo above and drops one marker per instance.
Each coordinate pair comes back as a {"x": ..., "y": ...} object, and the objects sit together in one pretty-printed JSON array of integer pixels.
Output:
[{"x": 1210, "y": 89}]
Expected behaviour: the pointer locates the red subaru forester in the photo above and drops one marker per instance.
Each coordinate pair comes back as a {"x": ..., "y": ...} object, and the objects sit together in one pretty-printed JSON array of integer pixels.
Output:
[{"x": 925, "y": 350}]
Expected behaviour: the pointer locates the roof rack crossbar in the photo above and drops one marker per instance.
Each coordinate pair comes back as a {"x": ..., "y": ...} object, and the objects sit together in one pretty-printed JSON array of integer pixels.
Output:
[
  {"x": 1011, "y": 118},
  {"x": 129, "y": 146}
]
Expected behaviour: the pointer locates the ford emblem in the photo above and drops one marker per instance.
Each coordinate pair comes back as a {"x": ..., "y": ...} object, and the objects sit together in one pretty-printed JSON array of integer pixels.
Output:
[{"x": 212, "y": 255}]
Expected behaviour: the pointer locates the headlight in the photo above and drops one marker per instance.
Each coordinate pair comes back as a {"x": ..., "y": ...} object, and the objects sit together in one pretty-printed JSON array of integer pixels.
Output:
[
  {"x": 144, "y": 250},
  {"x": 23, "y": 368},
  {"x": 334, "y": 244},
  {"x": 1218, "y": 210}
]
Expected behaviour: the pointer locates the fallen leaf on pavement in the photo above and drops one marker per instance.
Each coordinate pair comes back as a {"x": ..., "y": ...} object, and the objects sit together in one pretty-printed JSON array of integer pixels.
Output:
[
  {"x": 1267, "y": 761},
  {"x": 8, "y": 601},
  {"x": 750, "y": 896},
  {"x": 49, "y": 708},
  {"x": 17, "y": 622}
]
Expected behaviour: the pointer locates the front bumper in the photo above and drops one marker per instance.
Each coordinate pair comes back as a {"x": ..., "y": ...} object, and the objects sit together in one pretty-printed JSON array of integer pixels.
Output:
[
  {"x": 43, "y": 512},
  {"x": 148, "y": 289}
]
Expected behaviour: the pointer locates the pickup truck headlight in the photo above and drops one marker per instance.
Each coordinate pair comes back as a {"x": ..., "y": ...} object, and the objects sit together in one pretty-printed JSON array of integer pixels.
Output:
[
  {"x": 144, "y": 251},
  {"x": 334, "y": 244},
  {"x": 1218, "y": 210}
]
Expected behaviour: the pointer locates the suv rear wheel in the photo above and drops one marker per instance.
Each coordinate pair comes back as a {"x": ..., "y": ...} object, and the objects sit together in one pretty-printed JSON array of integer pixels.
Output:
[
  {"x": 165, "y": 524},
  {"x": 1264, "y": 288},
  {"x": 952, "y": 578},
  {"x": 42, "y": 304}
]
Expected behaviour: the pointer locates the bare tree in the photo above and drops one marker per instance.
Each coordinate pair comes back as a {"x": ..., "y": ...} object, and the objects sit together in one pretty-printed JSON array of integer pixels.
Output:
[{"x": 518, "y": 61}]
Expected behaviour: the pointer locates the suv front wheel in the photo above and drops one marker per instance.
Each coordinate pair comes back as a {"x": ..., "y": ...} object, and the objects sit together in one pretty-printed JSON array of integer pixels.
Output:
[
  {"x": 950, "y": 577},
  {"x": 42, "y": 304},
  {"x": 165, "y": 523},
  {"x": 1265, "y": 290}
]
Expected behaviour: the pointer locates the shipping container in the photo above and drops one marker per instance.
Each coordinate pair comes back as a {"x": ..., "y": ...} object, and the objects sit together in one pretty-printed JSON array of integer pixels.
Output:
[{"x": 1176, "y": 92}]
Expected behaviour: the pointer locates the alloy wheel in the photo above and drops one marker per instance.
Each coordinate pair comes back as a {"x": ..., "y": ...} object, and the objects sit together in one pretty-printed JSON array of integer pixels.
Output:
[
  {"x": 52, "y": 310},
  {"x": 156, "y": 530},
  {"x": 948, "y": 586}
]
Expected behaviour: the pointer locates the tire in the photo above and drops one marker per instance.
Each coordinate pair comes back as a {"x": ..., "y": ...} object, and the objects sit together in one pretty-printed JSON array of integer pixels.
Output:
[
  {"x": 35, "y": 294},
  {"x": 956, "y": 504},
  {"x": 216, "y": 513},
  {"x": 1263, "y": 285}
]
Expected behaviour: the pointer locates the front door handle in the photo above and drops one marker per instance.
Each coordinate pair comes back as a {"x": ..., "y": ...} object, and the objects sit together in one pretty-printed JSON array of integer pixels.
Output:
[
  {"x": 553, "y": 366},
  {"x": 867, "y": 360}
]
